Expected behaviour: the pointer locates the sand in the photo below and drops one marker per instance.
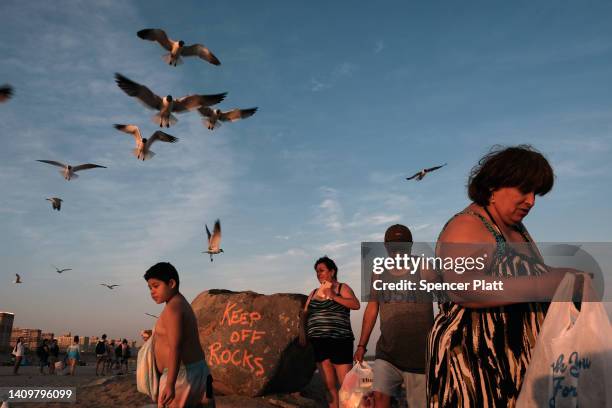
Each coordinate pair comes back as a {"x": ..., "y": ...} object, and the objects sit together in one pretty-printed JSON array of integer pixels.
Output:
[{"x": 120, "y": 391}]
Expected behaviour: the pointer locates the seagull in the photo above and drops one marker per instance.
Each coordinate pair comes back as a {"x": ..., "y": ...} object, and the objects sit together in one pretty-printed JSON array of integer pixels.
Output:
[
  {"x": 152, "y": 315},
  {"x": 61, "y": 270},
  {"x": 165, "y": 105},
  {"x": 213, "y": 116},
  {"x": 111, "y": 287},
  {"x": 419, "y": 175},
  {"x": 177, "y": 48},
  {"x": 18, "y": 278},
  {"x": 69, "y": 172},
  {"x": 56, "y": 202},
  {"x": 142, "y": 151},
  {"x": 6, "y": 91},
  {"x": 214, "y": 240}
]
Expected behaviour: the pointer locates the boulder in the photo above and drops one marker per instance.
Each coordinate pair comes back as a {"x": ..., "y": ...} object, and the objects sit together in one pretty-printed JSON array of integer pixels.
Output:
[{"x": 250, "y": 341}]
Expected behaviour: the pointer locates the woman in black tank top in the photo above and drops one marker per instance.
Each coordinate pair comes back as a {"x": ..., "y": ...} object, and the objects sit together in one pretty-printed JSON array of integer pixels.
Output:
[{"x": 327, "y": 325}]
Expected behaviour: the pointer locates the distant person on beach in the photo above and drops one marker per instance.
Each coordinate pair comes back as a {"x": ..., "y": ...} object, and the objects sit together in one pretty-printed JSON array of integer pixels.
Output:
[
  {"x": 110, "y": 356},
  {"x": 53, "y": 355},
  {"x": 480, "y": 345},
  {"x": 101, "y": 355},
  {"x": 185, "y": 380},
  {"x": 73, "y": 354},
  {"x": 126, "y": 353},
  {"x": 405, "y": 322},
  {"x": 42, "y": 352},
  {"x": 19, "y": 353},
  {"x": 326, "y": 324}
]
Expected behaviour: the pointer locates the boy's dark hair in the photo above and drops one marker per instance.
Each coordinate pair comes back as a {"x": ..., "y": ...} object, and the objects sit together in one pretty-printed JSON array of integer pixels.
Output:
[
  {"x": 329, "y": 263},
  {"x": 164, "y": 271},
  {"x": 519, "y": 166}
]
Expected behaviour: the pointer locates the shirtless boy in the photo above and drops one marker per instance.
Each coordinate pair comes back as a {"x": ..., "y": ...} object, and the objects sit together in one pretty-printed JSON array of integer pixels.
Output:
[{"x": 185, "y": 380}]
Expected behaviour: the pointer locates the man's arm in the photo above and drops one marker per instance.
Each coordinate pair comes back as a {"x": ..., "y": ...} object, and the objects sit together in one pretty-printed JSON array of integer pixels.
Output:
[
  {"x": 174, "y": 329},
  {"x": 367, "y": 325}
]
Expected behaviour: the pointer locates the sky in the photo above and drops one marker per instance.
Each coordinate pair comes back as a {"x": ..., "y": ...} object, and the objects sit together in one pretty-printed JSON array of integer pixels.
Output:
[{"x": 352, "y": 97}]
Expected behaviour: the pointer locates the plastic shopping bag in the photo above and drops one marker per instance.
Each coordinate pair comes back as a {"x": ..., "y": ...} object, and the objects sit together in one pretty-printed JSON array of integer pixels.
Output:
[
  {"x": 571, "y": 363},
  {"x": 356, "y": 387}
]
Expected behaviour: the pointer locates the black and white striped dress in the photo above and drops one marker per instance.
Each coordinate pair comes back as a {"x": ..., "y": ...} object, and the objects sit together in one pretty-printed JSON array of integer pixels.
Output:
[{"x": 478, "y": 357}]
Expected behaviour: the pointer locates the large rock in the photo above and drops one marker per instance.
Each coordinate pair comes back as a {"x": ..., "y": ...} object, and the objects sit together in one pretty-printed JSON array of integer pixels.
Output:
[{"x": 250, "y": 341}]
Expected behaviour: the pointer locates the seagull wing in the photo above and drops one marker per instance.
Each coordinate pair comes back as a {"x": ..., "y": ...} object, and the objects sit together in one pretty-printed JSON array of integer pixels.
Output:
[
  {"x": 195, "y": 101},
  {"x": 132, "y": 130},
  {"x": 6, "y": 91},
  {"x": 236, "y": 114},
  {"x": 411, "y": 177},
  {"x": 55, "y": 163},
  {"x": 141, "y": 92},
  {"x": 86, "y": 166},
  {"x": 434, "y": 168},
  {"x": 215, "y": 241},
  {"x": 156, "y": 34},
  {"x": 206, "y": 111},
  {"x": 200, "y": 51},
  {"x": 162, "y": 137}
]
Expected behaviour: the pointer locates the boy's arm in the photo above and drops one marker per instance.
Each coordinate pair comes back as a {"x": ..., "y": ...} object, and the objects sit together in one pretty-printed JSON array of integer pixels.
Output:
[{"x": 174, "y": 328}]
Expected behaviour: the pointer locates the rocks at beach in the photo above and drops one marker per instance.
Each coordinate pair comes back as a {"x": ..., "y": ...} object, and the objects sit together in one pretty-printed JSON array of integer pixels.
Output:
[{"x": 250, "y": 342}]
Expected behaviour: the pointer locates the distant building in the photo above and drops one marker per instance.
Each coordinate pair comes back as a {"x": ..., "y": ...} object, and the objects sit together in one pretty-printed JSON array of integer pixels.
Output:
[
  {"x": 31, "y": 337},
  {"x": 6, "y": 328}
]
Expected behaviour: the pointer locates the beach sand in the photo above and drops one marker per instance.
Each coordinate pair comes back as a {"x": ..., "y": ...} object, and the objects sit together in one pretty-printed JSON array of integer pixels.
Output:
[{"x": 120, "y": 391}]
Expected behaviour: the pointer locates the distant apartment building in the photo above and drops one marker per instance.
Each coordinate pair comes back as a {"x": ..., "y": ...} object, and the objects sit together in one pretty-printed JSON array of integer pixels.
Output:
[
  {"x": 31, "y": 337},
  {"x": 6, "y": 328}
]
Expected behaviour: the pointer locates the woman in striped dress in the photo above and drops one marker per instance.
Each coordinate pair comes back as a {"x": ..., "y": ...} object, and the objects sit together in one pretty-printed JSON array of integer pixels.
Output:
[
  {"x": 327, "y": 325},
  {"x": 480, "y": 344}
]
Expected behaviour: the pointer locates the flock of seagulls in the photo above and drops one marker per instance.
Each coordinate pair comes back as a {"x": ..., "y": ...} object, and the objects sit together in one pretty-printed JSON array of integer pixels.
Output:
[{"x": 165, "y": 108}]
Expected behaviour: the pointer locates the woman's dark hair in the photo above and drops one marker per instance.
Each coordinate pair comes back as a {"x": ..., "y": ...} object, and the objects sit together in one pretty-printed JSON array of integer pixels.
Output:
[
  {"x": 519, "y": 166},
  {"x": 163, "y": 271},
  {"x": 329, "y": 263}
]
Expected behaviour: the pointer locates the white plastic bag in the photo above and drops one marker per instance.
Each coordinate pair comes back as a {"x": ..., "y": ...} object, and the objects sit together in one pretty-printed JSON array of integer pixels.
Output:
[
  {"x": 571, "y": 363},
  {"x": 357, "y": 386}
]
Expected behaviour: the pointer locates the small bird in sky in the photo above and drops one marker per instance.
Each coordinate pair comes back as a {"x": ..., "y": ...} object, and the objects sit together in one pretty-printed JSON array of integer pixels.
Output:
[
  {"x": 111, "y": 287},
  {"x": 177, "y": 49},
  {"x": 69, "y": 172},
  {"x": 58, "y": 270},
  {"x": 18, "y": 278},
  {"x": 214, "y": 240},
  {"x": 6, "y": 92},
  {"x": 143, "y": 145},
  {"x": 419, "y": 175},
  {"x": 214, "y": 117},
  {"x": 166, "y": 105},
  {"x": 56, "y": 203},
  {"x": 152, "y": 315}
]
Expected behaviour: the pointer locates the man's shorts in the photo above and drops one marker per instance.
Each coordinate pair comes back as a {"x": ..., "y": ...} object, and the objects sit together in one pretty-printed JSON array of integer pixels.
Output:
[
  {"x": 388, "y": 380},
  {"x": 338, "y": 351}
]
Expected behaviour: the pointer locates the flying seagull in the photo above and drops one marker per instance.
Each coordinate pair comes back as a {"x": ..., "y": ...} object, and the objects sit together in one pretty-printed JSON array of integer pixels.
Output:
[
  {"x": 419, "y": 175},
  {"x": 6, "y": 91},
  {"x": 167, "y": 105},
  {"x": 61, "y": 270},
  {"x": 214, "y": 117},
  {"x": 152, "y": 315},
  {"x": 18, "y": 278},
  {"x": 143, "y": 146},
  {"x": 177, "y": 49},
  {"x": 69, "y": 172},
  {"x": 56, "y": 203},
  {"x": 214, "y": 240},
  {"x": 111, "y": 287}
]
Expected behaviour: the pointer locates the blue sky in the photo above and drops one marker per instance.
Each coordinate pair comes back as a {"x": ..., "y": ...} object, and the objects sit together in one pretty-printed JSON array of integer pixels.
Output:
[{"x": 352, "y": 99}]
